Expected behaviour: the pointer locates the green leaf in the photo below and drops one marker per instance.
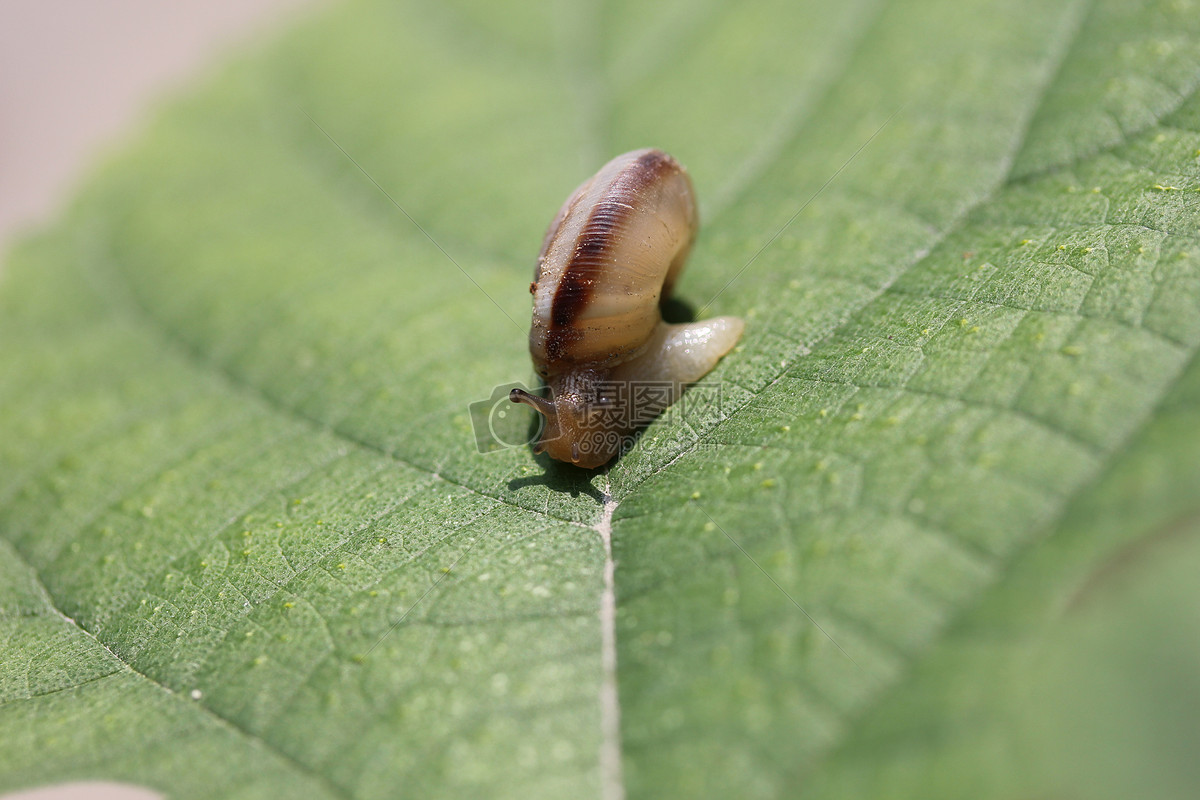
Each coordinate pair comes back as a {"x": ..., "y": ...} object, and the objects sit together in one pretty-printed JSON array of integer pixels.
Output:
[{"x": 248, "y": 547}]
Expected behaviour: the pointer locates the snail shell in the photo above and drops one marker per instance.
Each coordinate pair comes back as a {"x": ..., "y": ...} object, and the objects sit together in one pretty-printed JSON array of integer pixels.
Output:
[{"x": 608, "y": 262}]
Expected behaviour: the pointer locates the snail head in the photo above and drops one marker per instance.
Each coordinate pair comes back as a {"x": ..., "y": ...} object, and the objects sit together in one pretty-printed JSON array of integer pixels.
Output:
[{"x": 574, "y": 430}]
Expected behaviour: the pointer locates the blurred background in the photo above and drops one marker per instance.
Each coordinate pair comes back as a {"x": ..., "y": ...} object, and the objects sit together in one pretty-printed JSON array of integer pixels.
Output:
[{"x": 75, "y": 74}]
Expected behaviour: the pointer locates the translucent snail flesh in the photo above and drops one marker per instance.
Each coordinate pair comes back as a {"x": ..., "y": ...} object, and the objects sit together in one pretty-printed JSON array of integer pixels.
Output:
[{"x": 598, "y": 340}]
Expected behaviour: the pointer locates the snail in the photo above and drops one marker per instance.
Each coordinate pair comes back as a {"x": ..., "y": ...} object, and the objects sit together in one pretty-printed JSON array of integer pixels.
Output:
[{"x": 608, "y": 261}]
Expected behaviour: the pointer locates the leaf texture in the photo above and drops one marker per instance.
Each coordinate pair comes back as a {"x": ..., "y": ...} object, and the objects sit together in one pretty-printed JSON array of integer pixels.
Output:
[{"x": 248, "y": 547}]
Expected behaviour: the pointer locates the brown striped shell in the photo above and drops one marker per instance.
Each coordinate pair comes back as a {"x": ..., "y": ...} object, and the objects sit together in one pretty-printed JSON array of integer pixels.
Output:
[
  {"x": 609, "y": 258},
  {"x": 615, "y": 248}
]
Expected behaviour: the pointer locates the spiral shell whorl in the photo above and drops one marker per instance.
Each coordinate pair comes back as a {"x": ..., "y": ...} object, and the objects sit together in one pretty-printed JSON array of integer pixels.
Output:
[{"x": 609, "y": 257}]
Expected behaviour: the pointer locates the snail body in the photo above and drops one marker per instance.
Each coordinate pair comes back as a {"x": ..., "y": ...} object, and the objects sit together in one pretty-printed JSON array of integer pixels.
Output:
[{"x": 609, "y": 260}]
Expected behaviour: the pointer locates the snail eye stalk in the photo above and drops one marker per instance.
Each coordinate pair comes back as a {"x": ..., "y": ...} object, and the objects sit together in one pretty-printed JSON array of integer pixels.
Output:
[{"x": 539, "y": 404}]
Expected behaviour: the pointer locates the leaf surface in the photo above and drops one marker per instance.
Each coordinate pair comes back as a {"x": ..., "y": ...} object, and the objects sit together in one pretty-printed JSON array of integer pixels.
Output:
[{"x": 249, "y": 548}]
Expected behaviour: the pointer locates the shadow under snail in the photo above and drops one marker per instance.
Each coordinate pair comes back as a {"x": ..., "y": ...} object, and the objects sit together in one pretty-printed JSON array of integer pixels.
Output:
[{"x": 608, "y": 262}]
